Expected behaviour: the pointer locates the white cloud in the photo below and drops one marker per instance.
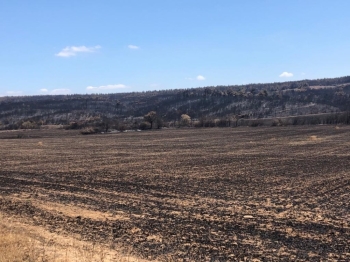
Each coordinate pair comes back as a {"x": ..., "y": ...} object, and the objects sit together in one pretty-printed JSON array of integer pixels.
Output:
[
  {"x": 106, "y": 87},
  {"x": 62, "y": 91},
  {"x": 14, "y": 93},
  {"x": 58, "y": 91},
  {"x": 199, "y": 78},
  {"x": 73, "y": 50},
  {"x": 133, "y": 47},
  {"x": 286, "y": 74}
]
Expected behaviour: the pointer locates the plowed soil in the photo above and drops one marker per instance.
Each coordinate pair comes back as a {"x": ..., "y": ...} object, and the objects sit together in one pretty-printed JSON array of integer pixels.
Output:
[{"x": 243, "y": 194}]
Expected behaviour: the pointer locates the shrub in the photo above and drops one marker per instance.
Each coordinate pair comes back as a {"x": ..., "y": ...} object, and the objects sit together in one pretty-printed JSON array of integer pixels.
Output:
[
  {"x": 274, "y": 123},
  {"x": 19, "y": 136},
  {"x": 209, "y": 123},
  {"x": 144, "y": 126},
  {"x": 122, "y": 127},
  {"x": 88, "y": 131},
  {"x": 29, "y": 125},
  {"x": 197, "y": 124},
  {"x": 151, "y": 117},
  {"x": 185, "y": 120},
  {"x": 222, "y": 123},
  {"x": 74, "y": 125},
  {"x": 256, "y": 123}
]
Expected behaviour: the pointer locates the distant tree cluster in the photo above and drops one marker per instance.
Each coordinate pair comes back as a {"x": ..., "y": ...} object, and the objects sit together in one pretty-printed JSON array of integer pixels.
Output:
[{"x": 209, "y": 106}]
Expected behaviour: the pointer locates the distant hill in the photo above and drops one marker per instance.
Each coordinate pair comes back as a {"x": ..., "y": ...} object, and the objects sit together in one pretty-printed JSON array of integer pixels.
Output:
[{"x": 252, "y": 101}]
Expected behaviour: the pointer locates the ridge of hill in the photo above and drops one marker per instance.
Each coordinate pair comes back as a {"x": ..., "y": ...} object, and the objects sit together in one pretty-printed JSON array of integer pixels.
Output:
[{"x": 251, "y": 101}]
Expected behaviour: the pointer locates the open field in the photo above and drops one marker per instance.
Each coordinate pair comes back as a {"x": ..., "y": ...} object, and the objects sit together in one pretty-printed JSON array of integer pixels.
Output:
[{"x": 270, "y": 194}]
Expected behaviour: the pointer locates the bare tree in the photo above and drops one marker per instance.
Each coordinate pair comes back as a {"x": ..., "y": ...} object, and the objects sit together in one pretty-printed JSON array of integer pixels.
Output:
[
  {"x": 151, "y": 117},
  {"x": 185, "y": 120}
]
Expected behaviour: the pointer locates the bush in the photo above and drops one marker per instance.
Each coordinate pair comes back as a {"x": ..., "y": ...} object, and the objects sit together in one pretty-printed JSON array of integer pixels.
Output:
[
  {"x": 274, "y": 123},
  {"x": 197, "y": 124},
  {"x": 74, "y": 125},
  {"x": 88, "y": 131},
  {"x": 223, "y": 123},
  {"x": 209, "y": 123},
  {"x": 205, "y": 123},
  {"x": 160, "y": 123},
  {"x": 254, "y": 124},
  {"x": 19, "y": 136},
  {"x": 122, "y": 127},
  {"x": 185, "y": 120},
  {"x": 144, "y": 126},
  {"x": 29, "y": 125}
]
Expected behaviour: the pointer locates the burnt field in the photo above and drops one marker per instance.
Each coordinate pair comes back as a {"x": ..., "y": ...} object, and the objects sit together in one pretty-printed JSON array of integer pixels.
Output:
[{"x": 271, "y": 194}]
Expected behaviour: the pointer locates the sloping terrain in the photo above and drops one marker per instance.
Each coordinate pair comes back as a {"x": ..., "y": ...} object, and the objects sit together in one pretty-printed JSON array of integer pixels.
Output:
[
  {"x": 272, "y": 194},
  {"x": 250, "y": 101}
]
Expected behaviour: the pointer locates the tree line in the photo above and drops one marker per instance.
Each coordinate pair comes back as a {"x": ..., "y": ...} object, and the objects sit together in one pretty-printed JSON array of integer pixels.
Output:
[{"x": 207, "y": 106}]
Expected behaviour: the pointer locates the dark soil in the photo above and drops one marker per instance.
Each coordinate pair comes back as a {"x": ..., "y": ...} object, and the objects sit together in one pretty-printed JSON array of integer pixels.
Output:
[{"x": 272, "y": 194}]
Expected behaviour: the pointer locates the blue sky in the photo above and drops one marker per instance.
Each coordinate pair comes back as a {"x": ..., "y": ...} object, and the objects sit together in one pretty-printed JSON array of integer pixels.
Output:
[{"x": 83, "y": 46}]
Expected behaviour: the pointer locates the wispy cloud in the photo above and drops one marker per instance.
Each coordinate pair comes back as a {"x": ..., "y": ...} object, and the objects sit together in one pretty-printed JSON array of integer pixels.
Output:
[
  {"x": 14, "y": 93},
  {"x": 286, "y": 74},
  {"x": 199, "y": 78},
  {"x": 58, "y": 91},
  {"x": 133, "y": 47},
  {"x": 62, "y": 91},
  {"x": 105, "y": 88},
  {"x": 74, "y": 50}
]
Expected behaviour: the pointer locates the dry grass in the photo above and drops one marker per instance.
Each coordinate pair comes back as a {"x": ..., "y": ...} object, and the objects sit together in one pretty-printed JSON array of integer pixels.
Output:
[
  {"x": 313, "y": 138},
  {"x": 17, "y": 245}
]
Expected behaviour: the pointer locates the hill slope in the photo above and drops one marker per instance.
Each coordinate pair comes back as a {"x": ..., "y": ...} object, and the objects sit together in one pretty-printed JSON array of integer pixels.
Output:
[{"x": 249, "y": 101}]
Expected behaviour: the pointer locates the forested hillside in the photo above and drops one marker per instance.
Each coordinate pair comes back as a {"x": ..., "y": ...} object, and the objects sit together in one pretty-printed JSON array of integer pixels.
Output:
[{"x": 212, "y": 103}]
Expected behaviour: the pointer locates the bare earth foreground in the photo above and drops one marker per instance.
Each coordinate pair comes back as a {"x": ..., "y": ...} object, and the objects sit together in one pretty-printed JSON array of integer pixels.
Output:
[{"x": 243, "y": 194}]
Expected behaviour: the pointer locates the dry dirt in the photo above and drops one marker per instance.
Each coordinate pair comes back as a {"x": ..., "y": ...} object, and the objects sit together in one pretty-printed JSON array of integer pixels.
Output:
[
  {"x": 243, "y": 194},
  {"x": 21, "y": 242}
]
